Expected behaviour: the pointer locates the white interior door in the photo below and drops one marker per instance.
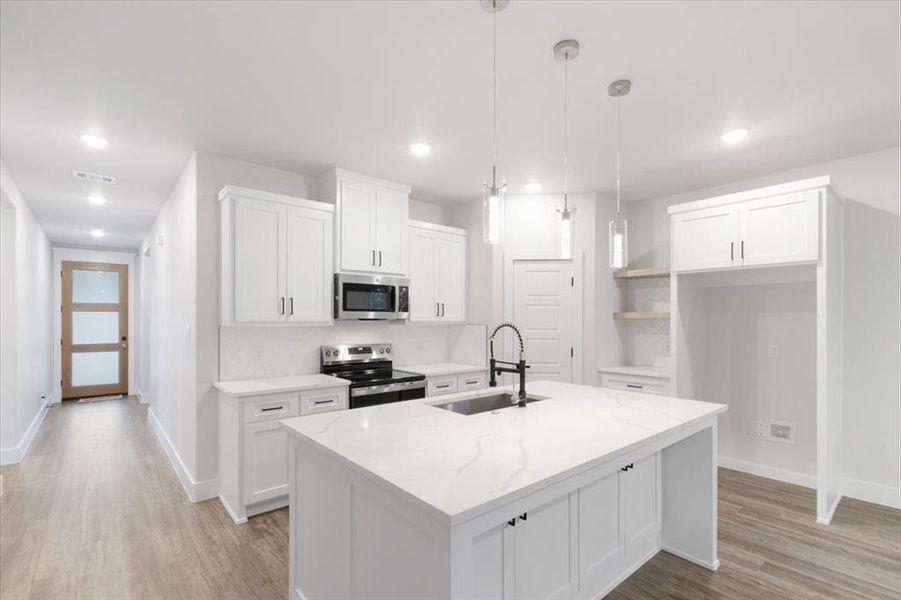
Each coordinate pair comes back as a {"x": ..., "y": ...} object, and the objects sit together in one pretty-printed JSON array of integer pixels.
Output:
[{"x": 543, "y": 311}]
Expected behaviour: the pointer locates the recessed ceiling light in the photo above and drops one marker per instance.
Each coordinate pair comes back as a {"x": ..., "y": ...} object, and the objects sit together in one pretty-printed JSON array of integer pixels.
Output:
[
  {"x": 735, "y": 136},
  {"x": 97, "y": 233},
  {"x": 420, "y": 149},
  {"x": 96, "y": 199},
  {"x": 533, "y": 186},
  {"x": 94, "y": 141}
]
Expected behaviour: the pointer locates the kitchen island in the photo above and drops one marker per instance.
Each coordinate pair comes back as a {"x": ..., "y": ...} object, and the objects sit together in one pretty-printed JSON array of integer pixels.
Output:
[{"x": 563, "y": 498}]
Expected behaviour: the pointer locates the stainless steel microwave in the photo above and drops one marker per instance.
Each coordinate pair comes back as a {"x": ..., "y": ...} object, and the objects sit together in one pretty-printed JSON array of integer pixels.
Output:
[{"x": 371, "y": 297}]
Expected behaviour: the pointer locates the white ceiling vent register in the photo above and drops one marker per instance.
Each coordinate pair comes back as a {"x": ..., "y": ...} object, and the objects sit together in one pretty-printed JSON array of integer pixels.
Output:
[{"x": 84, "y": 175}]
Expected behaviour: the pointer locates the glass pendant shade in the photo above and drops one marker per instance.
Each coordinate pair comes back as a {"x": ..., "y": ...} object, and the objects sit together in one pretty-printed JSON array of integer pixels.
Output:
[
  {"x": 618, "y": 244},
  {"x": 492, "y": 212},
  {"x": 567, "y": 233}
]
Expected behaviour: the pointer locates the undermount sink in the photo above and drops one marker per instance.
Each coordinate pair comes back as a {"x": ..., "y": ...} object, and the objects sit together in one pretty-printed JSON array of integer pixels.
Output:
[{"x": 474, "y": 406}]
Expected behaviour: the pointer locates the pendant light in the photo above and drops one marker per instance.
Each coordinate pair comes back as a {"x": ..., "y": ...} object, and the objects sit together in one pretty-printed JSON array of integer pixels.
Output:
[
  {"x": 492, "y": 192},
  {"x": 619, "y": 257},
  {"x": 566, "y": 51}
]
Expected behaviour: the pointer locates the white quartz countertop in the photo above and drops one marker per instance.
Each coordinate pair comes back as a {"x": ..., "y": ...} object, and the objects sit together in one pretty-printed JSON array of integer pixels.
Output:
[
  {"x": 432, "y": 369},
  {"x": 274, "y": 385},
  {"x": 459, "y": 466}
]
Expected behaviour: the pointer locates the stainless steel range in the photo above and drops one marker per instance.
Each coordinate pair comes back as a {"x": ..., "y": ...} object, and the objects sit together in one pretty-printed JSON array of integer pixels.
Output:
[{"x": 370, "y": 370}]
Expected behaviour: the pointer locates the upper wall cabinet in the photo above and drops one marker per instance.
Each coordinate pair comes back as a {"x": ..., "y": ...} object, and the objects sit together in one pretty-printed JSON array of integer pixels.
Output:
[
  {"x": 373, "y": 215},
  {"x": 276, "y": 258},
  {"x": 770, "y": 226},
  {"x": 437, "y": 273}
]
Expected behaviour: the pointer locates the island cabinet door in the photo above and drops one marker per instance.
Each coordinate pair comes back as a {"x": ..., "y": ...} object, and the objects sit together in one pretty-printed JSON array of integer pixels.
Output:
[
  {"x": 545, "y": 551},
  {"x": 265, "y": 461},
  {"x": 601, "y": 540},
  {"x": 640, "y": 508}
]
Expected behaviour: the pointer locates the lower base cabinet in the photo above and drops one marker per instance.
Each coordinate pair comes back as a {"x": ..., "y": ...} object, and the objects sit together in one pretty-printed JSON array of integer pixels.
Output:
[
  {"x": 253, "y": 446},
  {"x": 573, "y": 546}
]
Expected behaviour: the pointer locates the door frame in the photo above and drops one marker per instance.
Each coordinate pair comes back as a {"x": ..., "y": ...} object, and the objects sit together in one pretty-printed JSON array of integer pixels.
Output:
[
  {"x": 578, "y": 262},
  {"x": 61, "y": 254}
]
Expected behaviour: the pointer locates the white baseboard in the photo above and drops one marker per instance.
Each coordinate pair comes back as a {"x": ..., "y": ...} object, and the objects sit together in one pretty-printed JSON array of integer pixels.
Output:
[
  {"x": 142, "y": 397},
  {"x": 197, "y": 491},
  {"x": 809, "y": 481},
  {"x": 14, "y": 454},
  {"x": 830, "y": 512},
  {"x": 707, "y": 565},
  {"x": 868, "y": 491}
]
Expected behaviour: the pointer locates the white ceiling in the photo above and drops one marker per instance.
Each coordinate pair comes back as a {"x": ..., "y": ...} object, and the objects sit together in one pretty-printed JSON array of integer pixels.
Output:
[{"x": 308, "y": 86}]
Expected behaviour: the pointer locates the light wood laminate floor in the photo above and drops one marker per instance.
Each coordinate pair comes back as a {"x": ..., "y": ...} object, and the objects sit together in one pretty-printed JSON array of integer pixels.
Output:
[{"x": 96, "y": 511}]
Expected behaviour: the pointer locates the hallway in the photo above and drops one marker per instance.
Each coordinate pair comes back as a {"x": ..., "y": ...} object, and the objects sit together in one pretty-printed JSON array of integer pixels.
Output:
[{"x": 96, "y": 511}]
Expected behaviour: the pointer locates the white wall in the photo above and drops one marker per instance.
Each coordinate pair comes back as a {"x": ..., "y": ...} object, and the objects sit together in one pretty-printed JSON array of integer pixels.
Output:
[
  {"x": 26, "y": 318},
  {"x": 90, "y": 255},
  {"x": 530, "y": 229},
  {"x": 871, "y": 424},
  {"x": 168, "y": 316}
]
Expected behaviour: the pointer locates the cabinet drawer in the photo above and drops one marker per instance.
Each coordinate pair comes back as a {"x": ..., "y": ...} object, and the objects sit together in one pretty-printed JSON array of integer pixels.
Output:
[
  {"x": 441, "y": 385},
  {"x": 325, "y": 400},
  {"x": 471, "y": 381},
  {"x": 273, "y": 406},
  {"x": 635, "y": 383}
]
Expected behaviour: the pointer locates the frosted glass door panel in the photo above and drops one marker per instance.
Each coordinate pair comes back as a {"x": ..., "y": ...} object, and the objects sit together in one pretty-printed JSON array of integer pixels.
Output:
[
  {"x": 95, "y": 368},
  {"x": 95, "y": 327},
  {"x": 95, "y": 287}
]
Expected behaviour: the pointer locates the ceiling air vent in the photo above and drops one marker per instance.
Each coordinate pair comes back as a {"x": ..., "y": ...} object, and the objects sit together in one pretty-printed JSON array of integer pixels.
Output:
[{"x": 84, "y": 175}]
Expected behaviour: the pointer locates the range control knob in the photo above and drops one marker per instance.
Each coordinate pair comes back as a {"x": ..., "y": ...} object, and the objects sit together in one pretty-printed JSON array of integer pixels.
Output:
[
  {"x": 328, "y": 352},
  {"x": 381, "y": 350},
  {"x": 387, "y": 350}
]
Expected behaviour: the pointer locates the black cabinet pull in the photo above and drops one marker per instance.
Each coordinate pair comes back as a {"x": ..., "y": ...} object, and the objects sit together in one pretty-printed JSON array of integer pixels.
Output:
[
  {"x": 524, "y": 516},
  {"x": 512, "y": 522},
  {"x": 282, "y": 299},
  {"x": 634, "y": 385},
  {"x": 743, "y": 249},
  {"x": 628, "y": 466},
  {"x": 271, "y": 408},
  {"x": 380, "y": 258},
  {"x": 373, "y": 258},
  {"x": 443, "y": 386},
  {"x": 731, "y": 250},
  {"x": 323, "y": 401},
  {"x": 292, "y": 306}
]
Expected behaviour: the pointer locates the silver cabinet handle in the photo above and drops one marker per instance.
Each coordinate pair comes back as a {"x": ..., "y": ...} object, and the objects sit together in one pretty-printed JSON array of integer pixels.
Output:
[
  {"x": 380, "y": 258},
  {"x": 283, "y": 305},
  {"x": 373, "y": 258}
]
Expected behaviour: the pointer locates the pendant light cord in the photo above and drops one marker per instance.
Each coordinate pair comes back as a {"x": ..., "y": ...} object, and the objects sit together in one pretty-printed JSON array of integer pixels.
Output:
[
  {"x": 618, "y": 216},
  {"x": 494, "y": 96},
  {"x": 565, "y": 130}
]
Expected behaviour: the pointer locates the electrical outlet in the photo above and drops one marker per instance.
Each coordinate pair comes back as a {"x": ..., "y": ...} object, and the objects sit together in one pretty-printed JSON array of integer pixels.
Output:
[
  {"x": 758, "y": 428},
  {"x": 773, "y": 351},
  {"x": 781, "y": 432}
]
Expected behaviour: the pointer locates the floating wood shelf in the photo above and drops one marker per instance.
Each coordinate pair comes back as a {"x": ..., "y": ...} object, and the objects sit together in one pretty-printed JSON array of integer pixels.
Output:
[
  {"x": 642, "y": 273},
  {"x": 632, "y": 316}
]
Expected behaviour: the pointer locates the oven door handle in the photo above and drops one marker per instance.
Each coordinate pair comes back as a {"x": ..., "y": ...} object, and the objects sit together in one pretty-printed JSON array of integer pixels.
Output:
[{"x": 388, "y": 387}]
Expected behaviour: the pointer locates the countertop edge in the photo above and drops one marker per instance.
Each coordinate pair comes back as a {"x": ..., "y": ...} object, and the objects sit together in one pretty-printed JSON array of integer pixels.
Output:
[{"x": 224, "y": 387}]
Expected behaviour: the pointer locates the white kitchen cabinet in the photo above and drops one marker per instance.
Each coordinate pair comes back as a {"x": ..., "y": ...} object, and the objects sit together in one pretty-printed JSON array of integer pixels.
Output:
[
  {"x": 584, "y": 539},
  {"x": 265, "y": 462},
  {"x": 746, "y": 231},
  {"x": 437, "y": 273},
  {"x": 259, "y": 259},
  {"x": 439, "y": 385},
  {"x": 783, "y": 229},
  {"x": 705, "y": 239},
  {"x": 372, "y": 220},
  {"x": 276, "y": 259},
  {"x": 253, "y": 446}
]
